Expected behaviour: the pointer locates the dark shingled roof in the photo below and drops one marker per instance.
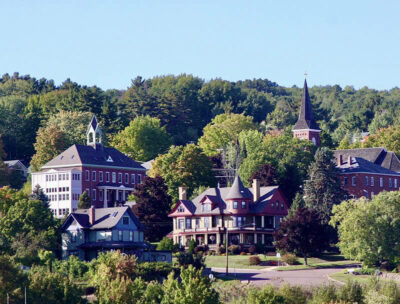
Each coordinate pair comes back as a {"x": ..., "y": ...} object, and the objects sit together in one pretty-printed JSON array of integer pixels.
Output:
[
  {"x": 96, "y": 156},
  {"x": 238, "y": 190},
  {"x": 306, "y": 118},
  {"x": 379, "y": 156},
  {"x": 361, "y": 165}
]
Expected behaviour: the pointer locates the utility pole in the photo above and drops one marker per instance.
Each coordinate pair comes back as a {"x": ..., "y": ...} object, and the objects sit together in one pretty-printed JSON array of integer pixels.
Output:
[
  {"x": 25, "y": 296},
  {"x": 226, "y": 248}
]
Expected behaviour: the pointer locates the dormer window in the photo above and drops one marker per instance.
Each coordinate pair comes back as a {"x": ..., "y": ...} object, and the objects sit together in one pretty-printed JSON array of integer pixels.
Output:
[
  {"x": 235, "y": 205},
  {"x": 181, "y": 209},
  {"x": 109, "y": 159},
  {"x": 206, "y": 208},
  {"x": 243, "y": 205}
]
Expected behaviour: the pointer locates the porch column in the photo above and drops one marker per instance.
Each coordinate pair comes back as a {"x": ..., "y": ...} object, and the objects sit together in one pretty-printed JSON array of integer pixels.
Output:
[
  {"x": 117, "y": 195},
  {"x": 263, "y": 239},
  {"x": 262, "y": 221},
  {"x": 255, "y": 238},
  {"x": 105, "y": 198},
  {"x": 206, "y": 239},
  {"x": 123, "y": 196},
  {"x": 218, "y": 240},
  {"x": 241, "y": 238}
]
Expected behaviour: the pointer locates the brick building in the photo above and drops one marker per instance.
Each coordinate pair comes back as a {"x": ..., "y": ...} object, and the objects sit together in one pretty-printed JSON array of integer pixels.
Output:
[
  {"x": 251, "y": 215},
  {"x": 106, "y": 174}
]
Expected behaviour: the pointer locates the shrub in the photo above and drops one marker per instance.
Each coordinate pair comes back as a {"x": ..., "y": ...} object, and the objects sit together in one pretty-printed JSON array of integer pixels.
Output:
[
  {"x": 168, "y": 245},
  {"x": 243, "y": 253},
  {"x": 324, "y": 294},
  {"x": 351, "y": 292},
  {"x": 367, "y": 271},
  {"x": 293, "y": 294},
  {"x": 234, "y": 249},
  {"x": 254, "y": 260},
  {"x": 267, "y": 295},
  {"x": 290, "y": 259},
  {"x": 260, "y": 248},
  {"x": 252, "y": 249},
  {"x": 186, "y": 259},
  {"x": 221, "y": 249},
  {"x": 192, "y": 245},
  {"x": 154, "y": 271}
]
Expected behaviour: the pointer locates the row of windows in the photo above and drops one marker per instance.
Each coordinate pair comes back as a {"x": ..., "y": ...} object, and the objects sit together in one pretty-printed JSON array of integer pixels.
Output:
[
  {"x": 53, "y": 177},
  {"x": 61, "y": 211},
  {"x": 76, "y": 176},
  {"x": 60, "y": 189},
  {"x": 61, "y": 197},
  {"x": 121, "y": 195},
  {"x": 113, "y": 177},
  {"x": 107, "y": 235},
  {"x": 370, "y": 181},
  {"x": 238, "y": 221}
]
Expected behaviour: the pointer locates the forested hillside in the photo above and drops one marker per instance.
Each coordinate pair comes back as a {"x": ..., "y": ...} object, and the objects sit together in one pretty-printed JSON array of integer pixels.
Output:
[{"x": 185, "y": 104}]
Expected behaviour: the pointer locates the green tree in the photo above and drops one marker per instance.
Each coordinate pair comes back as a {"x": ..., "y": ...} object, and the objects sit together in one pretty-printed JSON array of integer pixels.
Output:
[
  {"x": 39, "y": 195},
  {"x": 192, "y": 288},
  {"x": 4, "y": 176},
  {"x": 386, "y": 137},
  {"x": 322, "y": 189},
  {"x": 8, "y": 198},
  {"x": 302, "y": 233},
  {"x": 12, "y": 280},
  {"x": 143, "y": 139},
  {"x": 167, "y": 244},
  {"x": 224, "y": 129},
  {"x": 84, "y": 201},
  {"x": 369, "y": 229},
  {"x": 183, "y": 166},
  {"x": 153, "y": 205}
]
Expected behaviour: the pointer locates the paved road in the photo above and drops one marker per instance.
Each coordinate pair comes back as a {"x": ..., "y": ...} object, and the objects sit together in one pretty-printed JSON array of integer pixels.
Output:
[{"x": 260, "y": 277}]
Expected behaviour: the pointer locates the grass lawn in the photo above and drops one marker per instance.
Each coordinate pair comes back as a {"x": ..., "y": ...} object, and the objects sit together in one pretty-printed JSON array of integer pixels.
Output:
[
  {"x": 342, "y": 277},
  {"x": 235, "y": 261}
]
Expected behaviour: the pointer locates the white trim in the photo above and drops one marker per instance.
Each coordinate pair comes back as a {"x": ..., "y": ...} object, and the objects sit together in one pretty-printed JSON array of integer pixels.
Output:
[
  {"x": 394, "y": 175},
  {"x": 314, "y": 130},
  {"x": 94, "y": 166}
]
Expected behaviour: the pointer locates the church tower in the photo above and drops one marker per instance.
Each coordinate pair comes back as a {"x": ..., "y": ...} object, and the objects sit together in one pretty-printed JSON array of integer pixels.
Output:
[
  {"x": 93, "y": 133},
  {"x": 306, "y": 127}
]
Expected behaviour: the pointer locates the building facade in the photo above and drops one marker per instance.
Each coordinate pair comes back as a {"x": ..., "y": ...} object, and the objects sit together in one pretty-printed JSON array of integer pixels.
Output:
[
  {"x": 107, "y": 175},
  {"x": 248, "y": 215}
]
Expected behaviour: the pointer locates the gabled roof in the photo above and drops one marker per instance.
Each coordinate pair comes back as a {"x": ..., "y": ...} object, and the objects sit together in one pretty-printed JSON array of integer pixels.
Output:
[
  {"x": 238, "y": 191},
  {"x": 104, "y": 218},
  {"x": 96, "y": 156},
  {"x": 306, "y": 117},
  {"x": 377, "y": 155},
  {"x": 12, "y": 163},
  {"x": 361, "y": 165}
]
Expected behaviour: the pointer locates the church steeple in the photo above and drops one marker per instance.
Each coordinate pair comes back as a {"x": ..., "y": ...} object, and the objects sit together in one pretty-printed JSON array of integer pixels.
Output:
[
  {"x": 94, "y": 133},
  {"x": 306, "y": 127}
]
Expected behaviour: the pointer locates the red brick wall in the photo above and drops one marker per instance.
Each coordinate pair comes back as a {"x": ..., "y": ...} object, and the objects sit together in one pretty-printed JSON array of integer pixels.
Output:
[
  {"x": 358, "y": 189},
  {"x": 307, "y": 134}
]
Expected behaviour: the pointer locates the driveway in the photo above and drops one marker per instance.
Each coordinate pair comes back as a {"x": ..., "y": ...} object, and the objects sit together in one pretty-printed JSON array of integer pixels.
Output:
[{"x": 260, "y": 277}]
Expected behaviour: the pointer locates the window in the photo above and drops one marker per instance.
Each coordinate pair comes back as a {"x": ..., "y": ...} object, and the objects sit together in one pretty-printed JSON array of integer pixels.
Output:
[
  {"x": 372, "y": 194},
  {"x": 139, "y": 179},
  {"x": 107, "y": 177},
  {"x": 395, "y": 182},
  {"x": 197, "y": 223},
  {"x": 243, "y": 205},
  {"x": 381, "y": 181},
  {"x": 353, "y": 180},
  {"x": 188, "y": 223},
  {"x": 181, "y": 209},
  {"x": 366, "y": 181},
  {"x": 272, "y": 205},
  {"x": 120, "y": 235},
  {"x": 390, "y": 183},
  {"x": 101, "y": 195},
  {"x": 206, "y": 222},
  {"x": 100, "y": 176},
  {"x": 120, "y": 178},
  {"x": 206, "y": 207},
  {"x": 282, "y": 207},
  {"x": 180, "y": 224},
  {"x": 133, "y": 178},
  {"x": 372, "y": 181},
  {"x": 126, "y": 178},
  {"x": 93, "y": 194},
  {"x": 235, "y": 205},
  {"x": 67, "y": 176},
  {"x": 125, "y": 220},
  {"x": 87, "y": 175},
  {"x": 114, "y": 177},
  {"x": 344, "y": 181},
  {"x": 131, "y": 236},
  {"x": 103, "y": 235},
  {"x": 366, "y": 194}
]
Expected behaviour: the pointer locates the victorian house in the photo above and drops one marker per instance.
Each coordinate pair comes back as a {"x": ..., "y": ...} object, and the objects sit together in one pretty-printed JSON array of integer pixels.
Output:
[
  {"x": 247, "y": 215},
  {"x": 106, "y": 174}
]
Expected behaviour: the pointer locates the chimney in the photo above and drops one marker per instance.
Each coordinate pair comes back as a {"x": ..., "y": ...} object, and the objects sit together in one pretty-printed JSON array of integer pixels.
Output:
[
  {"x": 91, "y": 215},
  {"x": 349, "y": 161},
  {"x": 256, "y": 190},
  {"x": 182, "y": 193},
  {"x": 340, "y": 160}
]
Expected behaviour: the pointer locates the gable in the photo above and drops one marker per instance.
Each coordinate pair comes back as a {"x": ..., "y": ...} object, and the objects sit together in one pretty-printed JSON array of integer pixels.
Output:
[
  {"x": 180, "y": 210},
  {"x": 126, "y": 222}
]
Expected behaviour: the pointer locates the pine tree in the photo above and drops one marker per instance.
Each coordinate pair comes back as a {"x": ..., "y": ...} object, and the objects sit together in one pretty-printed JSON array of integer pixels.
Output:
[
  {"x": 322, "y": 190},
  {"x": 38, "y": 195},
  {"x": 4, "y": 176},
  {"x": 84, "y": 201}
]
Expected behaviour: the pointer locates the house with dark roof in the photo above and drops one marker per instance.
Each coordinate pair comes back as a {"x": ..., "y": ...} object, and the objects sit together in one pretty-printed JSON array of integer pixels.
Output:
[
  {"x": 86, "y": 232},
  {"x": 249, "y": 215},
  {"x": 17, "y": 165},
  {"x": 107, "y": 175}
]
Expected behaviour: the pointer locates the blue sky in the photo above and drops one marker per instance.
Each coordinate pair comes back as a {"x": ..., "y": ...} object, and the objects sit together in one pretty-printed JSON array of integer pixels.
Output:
[{"x": 108, "y": 43}]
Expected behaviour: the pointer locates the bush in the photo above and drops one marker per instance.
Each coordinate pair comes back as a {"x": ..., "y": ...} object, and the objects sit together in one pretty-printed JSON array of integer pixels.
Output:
[
  {"x": 267, "y": 295},
  {"x": 367, "y": 271},
  {"x": 351, "y": 292},
  {"x": 220, "y": 249},
  {"x": 254, "y": 260},
  {"x": 192, "y": 245},
  {"x": 234, "y": 249},
  {"x": 324, "y": 294},
  {"x": 260, "y": 248},
  {"x": 252, "y": 249},
  {"x": 293, "y": 294},
  {"x": 290, "y": 259},
  {"x": 186, "y": 259},
  {"x": 243, "y": 253},
  {"x": 154, "y": 271},
  {"x": 168, "y": 245}
]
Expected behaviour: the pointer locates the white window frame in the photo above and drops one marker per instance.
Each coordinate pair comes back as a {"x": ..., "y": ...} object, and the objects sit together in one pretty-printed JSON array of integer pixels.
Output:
[
  {"x": 119, "y": 178},
  {"x": 381, "y": 182},
  {"x": 87, "y": 175},
  {"x": 100, "y": 176},
  {"x": 94, "y": 176},
  {"x": 353, "y": 181},
  {"x": 372, "y": 181},
  {"x": 107, "y": 177},
  {"x": 126, "y": 178},
  {"x": 114, "y": 177},
  {"x": 94, "y": 194}
]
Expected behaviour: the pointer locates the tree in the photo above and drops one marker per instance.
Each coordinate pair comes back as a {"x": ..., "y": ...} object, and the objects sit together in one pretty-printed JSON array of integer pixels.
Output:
[
  {"x": 12, "y": 280},
  {"x": 369, "y": 230},
  {"x": 302, "y": 233},
  {"x": 4, "y": 176},
  {"x": 143, "y": 139},
  {"x": 323, "y": 190},
  {"x": 167, "y": 244},
  {"x": 153, "y": 205},
  {"x": 183, "y": 166},
  {"x": 39, "y": 195},
  {"x": 192, "y": 288},
  {"x": 60, "y": 132},
  {"x": 387, "y": 137},
  {"x": 224, "y": 129},
  {"x": 265, "y": 174},
  {"x": 84, "y": 201}
]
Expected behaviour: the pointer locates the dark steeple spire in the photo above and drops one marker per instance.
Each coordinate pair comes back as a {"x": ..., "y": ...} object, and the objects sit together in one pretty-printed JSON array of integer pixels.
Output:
[
  {"x": 306, "y": 118},
  {"x": 238, "y": 190}
]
